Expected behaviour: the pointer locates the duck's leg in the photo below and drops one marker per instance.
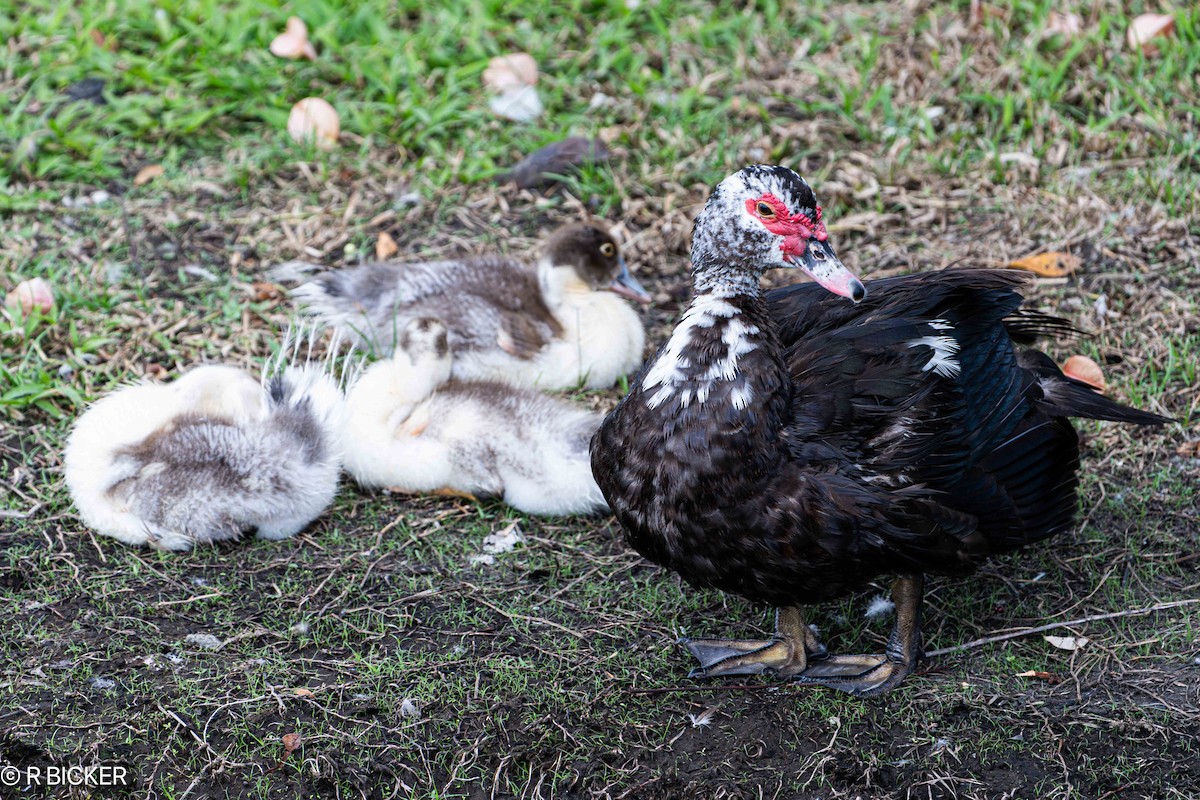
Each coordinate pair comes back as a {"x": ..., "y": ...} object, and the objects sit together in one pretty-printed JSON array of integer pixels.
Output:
[
  {"x": 787, "y": 653},
  {"x": 866, "y": 675}
]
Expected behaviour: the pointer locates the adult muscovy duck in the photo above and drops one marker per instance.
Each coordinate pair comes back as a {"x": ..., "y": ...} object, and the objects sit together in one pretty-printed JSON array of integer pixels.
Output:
[{"x": 790, "y": 446}]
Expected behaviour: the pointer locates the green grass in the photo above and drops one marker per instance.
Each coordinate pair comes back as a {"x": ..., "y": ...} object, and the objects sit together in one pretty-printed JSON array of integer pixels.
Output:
[{"x": 555, "y": 672}]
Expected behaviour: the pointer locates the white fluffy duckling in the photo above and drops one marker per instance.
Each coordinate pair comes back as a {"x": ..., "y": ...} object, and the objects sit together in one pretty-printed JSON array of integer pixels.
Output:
[
  {"x": 412, "y": 428},
  {"x": 557, "y": 325},
  {"x": 207, "y": 457}
]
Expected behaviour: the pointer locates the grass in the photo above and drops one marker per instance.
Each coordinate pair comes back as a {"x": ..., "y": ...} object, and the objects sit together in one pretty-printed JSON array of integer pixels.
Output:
[{"x": 554, "y": 673}]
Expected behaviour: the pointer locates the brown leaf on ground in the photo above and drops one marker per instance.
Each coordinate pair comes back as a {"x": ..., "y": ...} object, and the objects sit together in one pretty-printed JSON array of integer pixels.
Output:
[
  {"x": 263, "y": 291},
  {"x": 147, "y": 174},
  {"x": 1049, "y": 677},
  {"x": 1082, "y": 368},
  {"x": 109, "y": 43},
  {"x": 302, "y": 692},
  {"x": 1189, "y": 449},
  {"x": 291, "y": 741},
  {"x": 542, "y": 167},
  {"x": 385, "y": 246},
  {"x": 1146, "y": 28},
  {"x": 1048, "y": 265}
]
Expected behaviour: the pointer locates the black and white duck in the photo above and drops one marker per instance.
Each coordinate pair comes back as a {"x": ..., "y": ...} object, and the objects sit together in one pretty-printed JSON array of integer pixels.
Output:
[
  {"x": 411, "y": 427},
  {"x": 558, "y": 324},
  {"x": 792, "y": 445},
  {"x": 207, "y": 457}
]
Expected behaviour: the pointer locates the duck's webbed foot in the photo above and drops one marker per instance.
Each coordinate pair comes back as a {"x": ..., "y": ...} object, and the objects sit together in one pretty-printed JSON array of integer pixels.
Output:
[
  {"x": 866, "y": 675},
  {"x": 787, "y": 654}
]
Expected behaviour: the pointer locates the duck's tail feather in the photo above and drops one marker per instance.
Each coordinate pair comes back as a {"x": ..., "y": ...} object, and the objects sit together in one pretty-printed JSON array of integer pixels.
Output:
[
  {"x": 1064, "y": 396},
  {"x": 348, "y": 301},
  {"x": 302, "y": 376}
]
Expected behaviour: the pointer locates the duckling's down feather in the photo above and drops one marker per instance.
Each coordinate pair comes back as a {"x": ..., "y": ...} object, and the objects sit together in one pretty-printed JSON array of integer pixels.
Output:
[
  {"x": 151, "y": 465},
  {"x": 482, "y": 300},
  {"x": 409, "y": 427}
]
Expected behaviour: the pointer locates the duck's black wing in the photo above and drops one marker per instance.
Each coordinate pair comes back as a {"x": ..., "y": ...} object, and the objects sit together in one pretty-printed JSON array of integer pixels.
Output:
[{"x": 920, "y": 391}]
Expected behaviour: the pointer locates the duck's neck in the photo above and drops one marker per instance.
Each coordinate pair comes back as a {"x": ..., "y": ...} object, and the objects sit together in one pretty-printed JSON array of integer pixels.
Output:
[{"x": 723, "y": 352}]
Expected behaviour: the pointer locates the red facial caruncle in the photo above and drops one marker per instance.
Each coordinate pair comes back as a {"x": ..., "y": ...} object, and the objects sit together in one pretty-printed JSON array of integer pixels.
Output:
[{"x": 796, "y": 228}]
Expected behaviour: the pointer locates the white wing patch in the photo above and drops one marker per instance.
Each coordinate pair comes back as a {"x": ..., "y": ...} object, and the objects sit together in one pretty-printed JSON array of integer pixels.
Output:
[
  {"x": 670, "y": 372},
  {"x": 944, "y": 349}
]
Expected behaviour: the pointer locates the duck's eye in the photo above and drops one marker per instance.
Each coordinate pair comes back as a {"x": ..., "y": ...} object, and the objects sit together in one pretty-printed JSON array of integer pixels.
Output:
[
  {"x": 765, "y": 211},
  {"x": 607, "y": 250}
]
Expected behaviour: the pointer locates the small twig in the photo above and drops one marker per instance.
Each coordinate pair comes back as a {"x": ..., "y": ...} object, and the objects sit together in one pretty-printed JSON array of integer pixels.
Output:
[
  {"x": 9, "y": 514},
  {"x": 192, "y": 599},
  {"x": 1134, "y": 612}
]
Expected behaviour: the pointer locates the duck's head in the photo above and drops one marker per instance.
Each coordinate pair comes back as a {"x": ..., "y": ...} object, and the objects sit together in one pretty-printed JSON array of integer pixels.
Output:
[
  {"x": 589, "y": 254},
  {"x": 760, "y": 218}
]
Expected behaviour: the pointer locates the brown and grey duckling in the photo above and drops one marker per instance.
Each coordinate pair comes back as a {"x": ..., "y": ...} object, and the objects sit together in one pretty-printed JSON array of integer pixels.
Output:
[
  {"x": 558, "y": 324},
  {"x": 791, "y": 446},
  {"x": 207, "y": 457},
  {"x": 411, "y": 427}
]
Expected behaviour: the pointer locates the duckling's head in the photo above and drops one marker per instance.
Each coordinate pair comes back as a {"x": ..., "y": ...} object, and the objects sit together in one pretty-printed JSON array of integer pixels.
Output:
[
  {"x": 587, "y": 255},
  {"x": 425, "y": 338},
  {"x": 759, "y": 218},
  {"x": 422, "y": 360},
  {"x": 220, "y": 391}
]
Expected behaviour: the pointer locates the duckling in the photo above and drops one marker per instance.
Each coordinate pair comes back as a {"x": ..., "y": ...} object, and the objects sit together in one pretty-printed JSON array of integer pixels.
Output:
[
  {"x": 207, "y": 457},
  {"x": 410, "y": 426},
  {"x": 556, "y": 325}
]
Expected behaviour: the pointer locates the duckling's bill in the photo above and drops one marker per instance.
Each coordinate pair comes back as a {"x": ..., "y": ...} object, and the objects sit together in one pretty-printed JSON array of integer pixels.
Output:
[{"x": 627, "y": 286}]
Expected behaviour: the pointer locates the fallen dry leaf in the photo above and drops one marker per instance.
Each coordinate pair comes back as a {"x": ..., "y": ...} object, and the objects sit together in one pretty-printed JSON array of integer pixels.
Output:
[
  {"x": 314, "y": 119},
  {"x": 1049, "y": 677},
  {"x": 147, "y": 174},
  {"x": 302, "y": 692},
  {"x": 155, "y": 370},
  {"x": 1189, "y": 449},
  {"x": 293, "y": 43},
  {"x": 264, "y": 291},
  {"x": 31, "y": 294},
  {"x": 1067, "y": 642},
  {"x": 1082, "y": 368},
  {"x": 544, "y": 166},
  {"x": 385, "y": 246},
  {"x": 1068, "y": 25},
  {"x": 291, "y": 741},
  {"x": 512, "y": 71},
  {"x": 1145, "y": 28},
  {"x": 109, "y": 43},
  {"x": 1048, "y": 265}
]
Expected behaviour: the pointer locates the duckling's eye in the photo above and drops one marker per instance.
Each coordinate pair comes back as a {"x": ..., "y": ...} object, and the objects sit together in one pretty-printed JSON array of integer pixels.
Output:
[
  {"x": 607, "y": 250},
  {"x": 765, "y": 211}
]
